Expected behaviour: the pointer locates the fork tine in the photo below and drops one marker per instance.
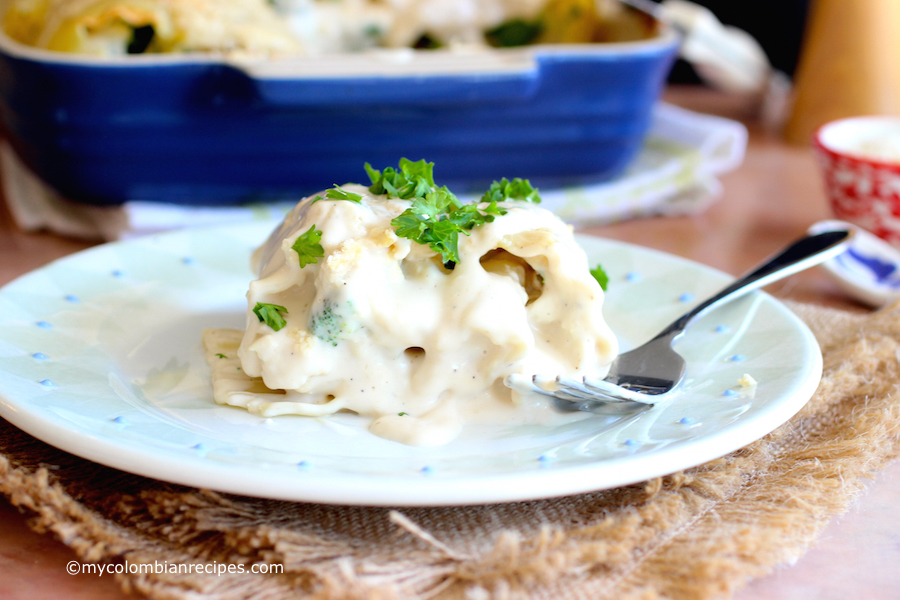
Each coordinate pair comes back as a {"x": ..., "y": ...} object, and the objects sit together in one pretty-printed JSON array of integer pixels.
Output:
[
  {"x": 579, "y": 387},
  {"x": 565, "y": 394},
  {"x": 566, "y": 388},
  {"x": 572, "y": 402},
  {"x": 606, "y": 389},
  {"x": 525, "y": 384}
]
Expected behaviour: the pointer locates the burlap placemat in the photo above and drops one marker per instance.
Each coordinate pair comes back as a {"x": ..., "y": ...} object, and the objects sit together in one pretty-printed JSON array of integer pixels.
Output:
[{"x": 696, "y": 534}]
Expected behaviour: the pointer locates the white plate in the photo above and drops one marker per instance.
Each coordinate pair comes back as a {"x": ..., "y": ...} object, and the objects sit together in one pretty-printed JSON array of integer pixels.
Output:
[{"x": 100, "y": 356}]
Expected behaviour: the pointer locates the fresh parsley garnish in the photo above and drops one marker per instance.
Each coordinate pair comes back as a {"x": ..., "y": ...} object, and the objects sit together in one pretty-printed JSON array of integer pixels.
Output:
[
  {"x": 308, "y": 248},
  {"x": 517, "y": 189},
  {"x": 436, "y": 216},
  {"x": 601, "y": 277},
  {"x": 403, "y": 414},
  {"x": 437, "y": 220},
  {"x": 516, "y": 32},
  {"x": 426, "y": 42},
  {"x": 221, "y": 356},
  {"x": 427, "y": 221},
  {"x": 270, "y": 314},
  {"x": 413, "y": 180},
  {"x": 338, "y": 193}
]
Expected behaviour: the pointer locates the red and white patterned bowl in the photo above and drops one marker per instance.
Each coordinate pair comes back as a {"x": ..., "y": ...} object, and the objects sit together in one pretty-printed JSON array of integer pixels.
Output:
[{"x": 860, "y": 159}]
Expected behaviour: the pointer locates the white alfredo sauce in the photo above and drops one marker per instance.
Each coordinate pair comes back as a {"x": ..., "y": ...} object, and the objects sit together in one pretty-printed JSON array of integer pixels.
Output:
[{"x": 379, "y": 327}]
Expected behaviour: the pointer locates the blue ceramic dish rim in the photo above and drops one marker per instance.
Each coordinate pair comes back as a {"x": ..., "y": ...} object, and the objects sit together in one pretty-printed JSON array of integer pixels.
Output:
[{"x": 392, "y": 62}]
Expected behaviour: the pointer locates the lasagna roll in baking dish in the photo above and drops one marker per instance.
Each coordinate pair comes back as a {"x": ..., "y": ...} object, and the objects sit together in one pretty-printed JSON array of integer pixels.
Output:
[
  {"x": 297, "y": 27},
  {"x": 401, "y": 303},
  {"x": 117, "y": 27}
]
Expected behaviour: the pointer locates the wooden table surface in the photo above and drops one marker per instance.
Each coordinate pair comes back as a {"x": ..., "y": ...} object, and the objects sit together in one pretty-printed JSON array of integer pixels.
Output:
[{"x": 770, "y": 200}]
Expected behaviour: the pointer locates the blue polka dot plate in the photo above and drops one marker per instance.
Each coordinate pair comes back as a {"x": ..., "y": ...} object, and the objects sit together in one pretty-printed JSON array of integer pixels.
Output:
[{"x": 100, "y": 356}]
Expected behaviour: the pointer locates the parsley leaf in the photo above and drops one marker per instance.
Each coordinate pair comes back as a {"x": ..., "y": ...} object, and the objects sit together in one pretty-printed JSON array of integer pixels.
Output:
[
  {"x": 270, "y": 314},
  {"x": 442, "y": 236},
  {"x": 374, "y": 174},
  {"x": 308, "y": 248},
  {"x": 410, "y": 225},
  {"x": 436, "y": 221},
  {"x": 516, "y": 32},
  {"x": 436, "y": 216},
  {"x": 420, "y": 168},
  {"x": 517, "y": 189},
  {"x": 469, "y": 216},
  {"x": 339, "y": 193},
  {"x": 222, "y": 355},
  {"x": 601, "y": 277},
  {"x": 414, "y": 179}
]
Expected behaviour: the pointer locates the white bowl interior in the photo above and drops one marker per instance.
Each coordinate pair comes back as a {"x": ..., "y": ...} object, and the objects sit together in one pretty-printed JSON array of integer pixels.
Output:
[{"x": 875, "y": 137}]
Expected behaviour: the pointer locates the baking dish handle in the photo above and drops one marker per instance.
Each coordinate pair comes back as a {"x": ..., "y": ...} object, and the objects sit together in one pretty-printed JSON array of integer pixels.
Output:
[{"x": 430, "y": 79}]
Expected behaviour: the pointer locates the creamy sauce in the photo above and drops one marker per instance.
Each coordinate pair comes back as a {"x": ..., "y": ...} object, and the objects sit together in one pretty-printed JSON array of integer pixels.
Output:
[{"x": 380, "y": 327}]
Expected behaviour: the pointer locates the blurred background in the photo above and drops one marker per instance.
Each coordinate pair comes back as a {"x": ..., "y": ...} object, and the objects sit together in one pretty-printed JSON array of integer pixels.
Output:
[{"x": 777, "y": 25}]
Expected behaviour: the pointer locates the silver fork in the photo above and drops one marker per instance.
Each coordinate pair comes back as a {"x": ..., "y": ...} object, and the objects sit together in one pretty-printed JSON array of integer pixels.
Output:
[{"x": 649, "y": 373}]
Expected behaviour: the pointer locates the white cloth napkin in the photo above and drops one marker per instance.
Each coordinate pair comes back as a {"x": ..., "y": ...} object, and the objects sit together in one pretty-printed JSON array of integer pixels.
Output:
[{"x": 674, "y": 173}]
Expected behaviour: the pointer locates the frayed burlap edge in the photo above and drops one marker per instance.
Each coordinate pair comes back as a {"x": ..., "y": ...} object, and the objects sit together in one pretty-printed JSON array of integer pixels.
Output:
[{"x": 697, "y": 534}]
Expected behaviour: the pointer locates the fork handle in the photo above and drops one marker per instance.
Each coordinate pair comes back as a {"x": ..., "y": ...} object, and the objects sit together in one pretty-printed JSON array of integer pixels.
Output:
[{"x": 799, "y": 256}]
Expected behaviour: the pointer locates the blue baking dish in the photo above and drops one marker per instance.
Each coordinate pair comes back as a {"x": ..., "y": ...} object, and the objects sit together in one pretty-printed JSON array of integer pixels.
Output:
[{"x": 193, "y": 129}]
